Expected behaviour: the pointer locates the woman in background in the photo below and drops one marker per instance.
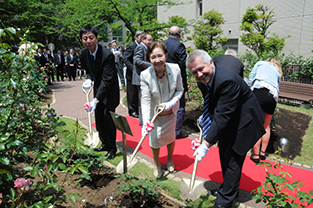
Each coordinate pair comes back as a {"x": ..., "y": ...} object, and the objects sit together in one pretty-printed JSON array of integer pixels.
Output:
[
  {"x": 264, "y": 81},
  {"x": 161, "y": 84}
]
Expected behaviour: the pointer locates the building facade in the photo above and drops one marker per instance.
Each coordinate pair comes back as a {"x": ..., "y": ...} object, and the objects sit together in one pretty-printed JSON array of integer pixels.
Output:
[{"x": 293, "y": 17}]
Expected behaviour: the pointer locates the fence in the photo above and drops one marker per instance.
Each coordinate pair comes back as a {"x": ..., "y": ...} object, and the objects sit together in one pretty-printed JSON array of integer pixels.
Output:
[{"x": 298, "y": 73}]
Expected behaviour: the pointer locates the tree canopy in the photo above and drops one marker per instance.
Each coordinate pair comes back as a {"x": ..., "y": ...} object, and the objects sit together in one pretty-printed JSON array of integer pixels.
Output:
[
  {"x": 255, "y": 23},
  {"x": 207, "y": 31}
]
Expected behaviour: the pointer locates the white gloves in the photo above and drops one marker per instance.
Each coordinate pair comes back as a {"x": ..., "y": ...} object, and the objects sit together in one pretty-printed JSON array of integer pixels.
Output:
[
  {"x": 91, "y": 106},
  {"x": 168, "y": 105},
  {"x": 87, "y": 84},
  {"x": 147, "y": 127},
  {"x": 200, "y": 119},
  {"x": 201, "y": 151}
]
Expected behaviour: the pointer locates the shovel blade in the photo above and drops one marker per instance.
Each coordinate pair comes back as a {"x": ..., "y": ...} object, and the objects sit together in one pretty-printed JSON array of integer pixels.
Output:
[
  {"x": 130, "y": 164},
  {"x": 188, "y": 193},
  {"x": 92, "y": 139}
]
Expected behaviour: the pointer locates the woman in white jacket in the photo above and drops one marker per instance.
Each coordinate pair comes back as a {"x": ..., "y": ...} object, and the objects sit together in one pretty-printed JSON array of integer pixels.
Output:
[{"x": 161, "y": 84}]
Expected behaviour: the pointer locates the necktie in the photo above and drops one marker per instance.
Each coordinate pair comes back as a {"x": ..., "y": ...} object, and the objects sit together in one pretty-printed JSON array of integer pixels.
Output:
[
  {"x": 59, "y": 59},
  {"x": 206, "y": 123},
  {"x": 92, "y": 58}
]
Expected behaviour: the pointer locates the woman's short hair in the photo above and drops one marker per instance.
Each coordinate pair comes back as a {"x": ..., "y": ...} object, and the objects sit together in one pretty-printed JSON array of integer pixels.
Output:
[{"x": 153, "y": 45}]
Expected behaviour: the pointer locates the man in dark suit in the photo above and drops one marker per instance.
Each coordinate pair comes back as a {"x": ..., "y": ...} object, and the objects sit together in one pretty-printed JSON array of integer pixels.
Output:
[
  {"x": 71, "y": 63},
  {"x": 237, "y": 120},
  {"x": 99, "y": 64},
  {"x": 230, "y": 61},
  {"x": 177, "y": 54},
  {"x": 132, "y": 92},
  {"x": 40, "y": 58},
  {"x": 140, "y": 64},
  {"x": 59, "y": 64}
]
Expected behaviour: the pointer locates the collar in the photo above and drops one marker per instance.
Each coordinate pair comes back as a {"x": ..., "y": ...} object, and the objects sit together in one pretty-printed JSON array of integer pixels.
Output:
[
  {"x": 144, "y": 45},
  {"x": 136, "y": 42},
  {"x": 95, "y": 52},
  {"x": 173, "y": 37},
  {"x": 209, "y": 85}
]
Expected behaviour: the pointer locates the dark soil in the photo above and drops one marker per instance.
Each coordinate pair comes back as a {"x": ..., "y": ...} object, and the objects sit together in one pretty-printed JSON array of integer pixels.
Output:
[{"x": 289, "y": 124}]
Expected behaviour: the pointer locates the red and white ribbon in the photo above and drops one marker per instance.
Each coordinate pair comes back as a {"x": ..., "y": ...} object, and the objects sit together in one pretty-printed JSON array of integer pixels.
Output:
[
  {"x": 87, "y": 106},
  {"x": 149, "y": 126},
  {"x": 195, "y": 144}
]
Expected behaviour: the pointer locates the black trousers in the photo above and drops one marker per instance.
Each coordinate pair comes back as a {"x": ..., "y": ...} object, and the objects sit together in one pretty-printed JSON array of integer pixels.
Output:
[
  {"x": 59, "y": 72},
  {"x": 132, "y": 97},
  {"x": 231, "y": 164},
  {"x": 105, "y": 126},
  {"x": 71, "y": 72}
]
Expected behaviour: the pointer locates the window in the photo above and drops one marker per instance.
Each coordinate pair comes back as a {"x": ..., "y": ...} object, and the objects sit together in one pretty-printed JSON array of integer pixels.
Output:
[{"x": 200, "y": 7}]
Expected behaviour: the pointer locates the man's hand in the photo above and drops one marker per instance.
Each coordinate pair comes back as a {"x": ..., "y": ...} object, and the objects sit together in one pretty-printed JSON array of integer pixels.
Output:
[
  {"x": 91, "y": 106},
  {"x": 87, "y": 84},
  {"x": 201, "y": 151}
]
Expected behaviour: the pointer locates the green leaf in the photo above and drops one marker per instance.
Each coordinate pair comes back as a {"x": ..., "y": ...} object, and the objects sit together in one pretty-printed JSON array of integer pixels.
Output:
[
  {"x": 83, "y": 169},
  {"x": 5, "y": 172},
  {"x": 28, "y": 168},
  {"x": 2, "y": 147},
  {"x": 5, "y": 161},
  {"x": 2, "y": 50},
  {"x": 62, "y": 166},
  {"x": 12, "y": 193},
  {"x": 11, "y": 30}
]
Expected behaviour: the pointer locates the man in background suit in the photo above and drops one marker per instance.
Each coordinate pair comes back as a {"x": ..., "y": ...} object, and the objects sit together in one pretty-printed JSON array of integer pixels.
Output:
[
  {"x": 230, "y": 61},
  {"x": 237, "y": 120},
  {"x": 71, "y": 63},
  {"x": 140, "y": 64},
  {"x": 177, "y": 54},
  {"x": 59, "y": 64},
  {"x": 99, "y": 64},
  {"x": 132, "y": 92}
]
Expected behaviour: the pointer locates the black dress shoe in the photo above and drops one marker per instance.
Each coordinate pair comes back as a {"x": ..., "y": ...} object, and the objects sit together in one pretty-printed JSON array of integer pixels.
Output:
[
  {"x": 101, "y": 148},
  {"x": 134, "y": 114},
  {"x": 111, "y": 154},
  {"x": 214, "y": 193},
  {"x": 219, "y": 206},
  {"x": 181, "y": 136}
]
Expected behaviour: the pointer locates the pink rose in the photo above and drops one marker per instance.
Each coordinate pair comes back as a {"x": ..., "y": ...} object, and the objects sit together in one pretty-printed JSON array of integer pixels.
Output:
[
  {"x": 46, "y": 79},
  {"x": 0, "y": 197},
  {"x": 40, "y": 91},
  {"x": 22, "y": 183},
  {"x": 22, "y": 105}
]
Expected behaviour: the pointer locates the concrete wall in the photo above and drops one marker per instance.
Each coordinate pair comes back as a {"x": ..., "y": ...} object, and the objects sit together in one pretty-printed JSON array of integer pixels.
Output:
[{"x": 293, "y": 17}]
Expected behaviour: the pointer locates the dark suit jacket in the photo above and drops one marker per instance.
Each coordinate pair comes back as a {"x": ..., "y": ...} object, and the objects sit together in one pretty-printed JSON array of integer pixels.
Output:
[
  {"x": 140, "y": 63},
  {"x": 56, "y": 60},
  {"x": 236, "y": 115},
  {"x": 105, "y": 79},
  {"x": 41, "y": 60},
  {"x": 71, "y": 60},
  {"x": 177, "y": 54},
  {"x": 128, "y": 59},
  {"x": 229, "y": 62}
]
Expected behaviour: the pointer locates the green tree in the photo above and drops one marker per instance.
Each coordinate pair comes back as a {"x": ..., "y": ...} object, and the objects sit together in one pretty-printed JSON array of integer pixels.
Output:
[
  {"x": 255, "y": 24},
  {"x": 140, "y": 14},
  {"x": 208, "y": 31}
]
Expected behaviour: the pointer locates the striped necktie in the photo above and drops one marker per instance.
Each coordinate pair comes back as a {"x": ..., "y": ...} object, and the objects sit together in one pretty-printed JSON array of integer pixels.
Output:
[{"x": 206, "y": 120}]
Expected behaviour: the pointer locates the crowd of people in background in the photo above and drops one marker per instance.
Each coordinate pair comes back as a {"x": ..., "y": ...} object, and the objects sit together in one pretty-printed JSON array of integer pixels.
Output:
[{"x": 60, "y": 65}]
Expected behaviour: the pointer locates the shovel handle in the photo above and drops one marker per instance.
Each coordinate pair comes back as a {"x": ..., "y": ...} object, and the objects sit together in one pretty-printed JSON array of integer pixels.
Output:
[
  {"x": 87, "y": 92},
  {"x": 157, "y": 110},
  {"x": 194, "y": 171}
]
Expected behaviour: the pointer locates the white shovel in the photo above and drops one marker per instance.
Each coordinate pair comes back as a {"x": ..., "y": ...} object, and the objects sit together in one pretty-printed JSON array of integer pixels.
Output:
[{"x": 92, "y": 138}]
